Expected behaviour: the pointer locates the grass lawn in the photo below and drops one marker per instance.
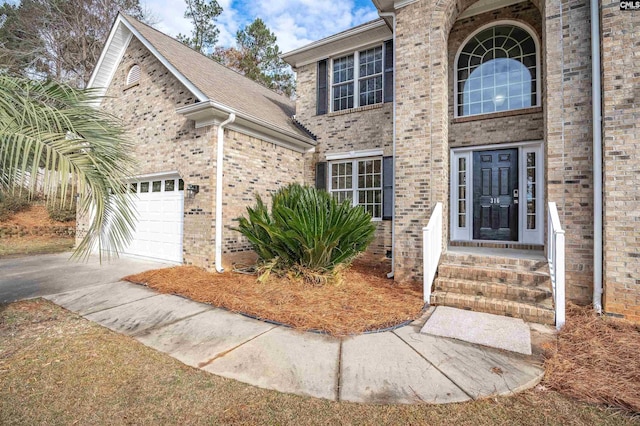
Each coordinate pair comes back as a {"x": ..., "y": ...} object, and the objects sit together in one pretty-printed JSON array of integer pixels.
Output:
[
  {"x": 365, "y": 299},
  {"x": 16, "y": 246},
  {"x": 57, "y": 368}
]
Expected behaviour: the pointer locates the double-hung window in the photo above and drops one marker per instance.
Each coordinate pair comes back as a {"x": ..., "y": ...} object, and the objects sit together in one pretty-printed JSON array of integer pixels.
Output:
[
  {"x": 358, "y": 180},
  {"x": 358, "y": 79}
]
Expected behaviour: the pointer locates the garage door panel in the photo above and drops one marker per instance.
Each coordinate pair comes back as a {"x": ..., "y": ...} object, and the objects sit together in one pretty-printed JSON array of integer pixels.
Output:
[{"x": 159, "y": 228}]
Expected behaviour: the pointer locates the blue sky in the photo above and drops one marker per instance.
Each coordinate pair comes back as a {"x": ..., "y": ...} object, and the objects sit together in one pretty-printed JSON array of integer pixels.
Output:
[{"x": 295, "y": 22}]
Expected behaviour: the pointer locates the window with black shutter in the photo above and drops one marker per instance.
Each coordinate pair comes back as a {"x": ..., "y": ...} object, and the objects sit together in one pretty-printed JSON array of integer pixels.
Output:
[{"x": 322, "y": 98}]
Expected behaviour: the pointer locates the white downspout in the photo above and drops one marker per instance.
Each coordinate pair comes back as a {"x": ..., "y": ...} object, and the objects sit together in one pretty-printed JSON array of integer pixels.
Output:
[
  {"x": 219, "y": 163},
  {"x": 393, "y": 215},
  {"x": 596, "y": 94}
]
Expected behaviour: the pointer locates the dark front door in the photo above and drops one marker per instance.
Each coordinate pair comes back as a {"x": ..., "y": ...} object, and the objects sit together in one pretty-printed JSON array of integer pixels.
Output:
[{"x": 495, "y": 195}]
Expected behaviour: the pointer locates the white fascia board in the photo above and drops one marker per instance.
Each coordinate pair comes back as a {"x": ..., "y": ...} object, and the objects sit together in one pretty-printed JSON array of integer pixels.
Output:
[
  {"x": 188, "y": 84},
  {"x": 375, "y": 32},
  {"x": 355, "y": 154},
  {"x": 103, "y": 68},
  {"x": 211, "y": 113},
  {"x": 98, "y": 66}
]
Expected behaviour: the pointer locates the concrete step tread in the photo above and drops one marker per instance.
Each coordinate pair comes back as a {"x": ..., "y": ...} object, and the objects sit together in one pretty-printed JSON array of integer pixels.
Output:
[
  {"x": 504, "y": 262},
  {"x": 541, "y": 312},
  {"x": 501, "y": 268},
  {"x": 492, "y": 289}
]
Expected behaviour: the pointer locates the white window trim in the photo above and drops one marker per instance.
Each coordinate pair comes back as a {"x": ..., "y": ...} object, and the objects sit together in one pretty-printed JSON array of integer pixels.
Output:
[
  {"x": 532, "y": 32},
  {"x": 525, "y": 236},
  {"x": 355, "y": 154},
  {"x": 354, "y": 180},
  {"x": 356, "y": 75}
]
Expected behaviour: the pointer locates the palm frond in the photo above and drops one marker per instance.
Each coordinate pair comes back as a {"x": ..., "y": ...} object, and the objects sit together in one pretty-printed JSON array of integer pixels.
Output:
[{"x": 51, "y": 130}]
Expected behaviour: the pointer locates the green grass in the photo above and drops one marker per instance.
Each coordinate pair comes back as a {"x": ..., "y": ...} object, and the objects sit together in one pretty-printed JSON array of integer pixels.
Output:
[
  {"x": 16, "y": 246},
  {"x": 58, "y": 368}
]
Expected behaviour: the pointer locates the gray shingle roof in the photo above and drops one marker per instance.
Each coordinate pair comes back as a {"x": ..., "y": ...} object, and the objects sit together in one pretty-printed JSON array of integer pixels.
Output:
[{"x": 221, "y": 84}]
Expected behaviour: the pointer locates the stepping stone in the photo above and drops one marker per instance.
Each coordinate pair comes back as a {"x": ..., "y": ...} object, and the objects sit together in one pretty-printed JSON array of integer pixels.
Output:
[{"x": 496, "y": 331}]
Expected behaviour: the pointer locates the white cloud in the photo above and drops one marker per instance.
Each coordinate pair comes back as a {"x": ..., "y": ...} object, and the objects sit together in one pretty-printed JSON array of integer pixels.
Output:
[{"x": 294, "y": 22}]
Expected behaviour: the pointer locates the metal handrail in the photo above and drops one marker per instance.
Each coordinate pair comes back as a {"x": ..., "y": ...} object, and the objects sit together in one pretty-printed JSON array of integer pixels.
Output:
[
  {"x": 556, "y": 258},
  {"x": 432, "y": 249}
]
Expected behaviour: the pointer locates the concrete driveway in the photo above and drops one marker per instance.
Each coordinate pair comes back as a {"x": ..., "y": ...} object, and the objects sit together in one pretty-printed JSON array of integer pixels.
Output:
[{"x": 42, "y": 275}]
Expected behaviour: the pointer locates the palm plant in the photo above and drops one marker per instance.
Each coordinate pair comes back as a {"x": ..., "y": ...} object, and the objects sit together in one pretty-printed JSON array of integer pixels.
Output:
[
  {"x": 52, "y": 130},
  {"x": 307, "y": 231}
]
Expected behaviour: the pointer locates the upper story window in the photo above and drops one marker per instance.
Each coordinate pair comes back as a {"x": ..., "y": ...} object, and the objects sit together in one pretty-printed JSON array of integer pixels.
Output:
[
  {"x": 362, "y": 78},
  {"x": 134, "y": 75},
  {"x": 497, "y": 70}
]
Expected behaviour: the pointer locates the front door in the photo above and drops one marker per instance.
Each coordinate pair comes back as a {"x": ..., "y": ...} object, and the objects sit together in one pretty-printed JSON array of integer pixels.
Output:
[{"x": 495, "y": 195}]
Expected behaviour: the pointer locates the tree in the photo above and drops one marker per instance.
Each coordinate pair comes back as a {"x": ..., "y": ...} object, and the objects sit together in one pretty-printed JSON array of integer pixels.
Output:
[
  {"x": 51, "y": 129},
  {"x": 203, "y": 15},
  {"x": 257, "y": 56},
  {"x": 59, "y": 39}
]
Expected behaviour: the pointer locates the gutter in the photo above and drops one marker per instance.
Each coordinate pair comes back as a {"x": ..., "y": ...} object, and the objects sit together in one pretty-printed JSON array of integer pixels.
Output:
[
  {"x": 391, "y": 274},
  {"x": 219, "y": 164},
  {"x": 189, "y": 110},
  {"x": 596, "y": 97}
]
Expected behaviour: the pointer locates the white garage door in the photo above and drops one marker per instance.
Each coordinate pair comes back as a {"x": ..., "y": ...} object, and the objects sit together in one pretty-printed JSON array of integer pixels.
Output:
[{"x": 159, "y": 202}]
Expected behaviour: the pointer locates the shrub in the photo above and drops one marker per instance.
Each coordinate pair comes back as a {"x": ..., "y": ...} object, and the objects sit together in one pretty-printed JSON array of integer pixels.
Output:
[
  {"x": 62, "y": 214},
  {"x": 12, "y": 202},
  {"x": 307, "y": 232}
]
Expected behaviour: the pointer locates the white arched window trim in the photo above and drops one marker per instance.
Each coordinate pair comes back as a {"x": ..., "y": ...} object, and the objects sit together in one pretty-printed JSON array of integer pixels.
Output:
[
  {"x": 526, "y": 27},
  {"x": 134, "y": 75}
]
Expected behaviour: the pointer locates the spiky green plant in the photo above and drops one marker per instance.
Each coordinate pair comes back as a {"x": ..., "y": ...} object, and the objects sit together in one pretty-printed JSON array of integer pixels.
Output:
[
  {"x": 53, "y": 130},
  {"x": 307, "y": 232}
]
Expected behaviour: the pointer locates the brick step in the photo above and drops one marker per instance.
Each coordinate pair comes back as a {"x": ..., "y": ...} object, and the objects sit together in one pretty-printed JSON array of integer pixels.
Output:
[
  {"x": 524, "y": 264},
  {"x": 492, "y": 273},
  {"x": 541, "y": 313},
  {"x": 513, "y": 292}
]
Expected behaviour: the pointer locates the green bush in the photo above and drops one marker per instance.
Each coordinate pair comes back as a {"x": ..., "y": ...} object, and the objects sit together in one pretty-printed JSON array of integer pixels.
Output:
[
  {"x": 307, "y": 232},
  {"x": 12, "y": 202},
  {"x": 62, "y": 214}
]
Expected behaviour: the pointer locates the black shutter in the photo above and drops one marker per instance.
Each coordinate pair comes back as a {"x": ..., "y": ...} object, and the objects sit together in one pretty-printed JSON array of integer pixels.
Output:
[
  {"x": 387, "y": 188},
  {"x": 388, "y": 71},
  {"x": 321, "y": 101},
  {"x": 321, "y": 175}
]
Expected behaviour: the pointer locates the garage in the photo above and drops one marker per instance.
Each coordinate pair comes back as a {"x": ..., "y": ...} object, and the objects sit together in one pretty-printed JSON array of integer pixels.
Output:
[{"x": 159, "y": 203}]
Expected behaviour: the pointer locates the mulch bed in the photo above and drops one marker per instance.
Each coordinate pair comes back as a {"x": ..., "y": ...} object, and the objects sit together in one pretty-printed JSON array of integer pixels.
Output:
[
  {"x": 365, "y": 300},
  {"x": 597, "y": 360}
]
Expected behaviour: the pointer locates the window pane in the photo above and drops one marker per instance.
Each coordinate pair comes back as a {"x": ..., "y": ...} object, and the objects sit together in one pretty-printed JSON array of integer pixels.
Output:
[
  {"x": 144, "y": 186},
  {"x": 180, "y": 185},
  {"x": 156, "y": 186},
  {"x": 133, "y": 188},
  {"x": 371, "y": 61},
  {"x": 169, "y": 185},
  {"x": 497, "y": 71}
]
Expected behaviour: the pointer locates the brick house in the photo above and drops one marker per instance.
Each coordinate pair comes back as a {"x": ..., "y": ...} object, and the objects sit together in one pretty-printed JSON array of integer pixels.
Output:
[{"x": 481, "y": 111}]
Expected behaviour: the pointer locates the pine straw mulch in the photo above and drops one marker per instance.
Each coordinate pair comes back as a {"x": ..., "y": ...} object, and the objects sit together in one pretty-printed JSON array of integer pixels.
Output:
[
  {"x": 597, "y": 360},
  {"x": 365, "y": 300}
]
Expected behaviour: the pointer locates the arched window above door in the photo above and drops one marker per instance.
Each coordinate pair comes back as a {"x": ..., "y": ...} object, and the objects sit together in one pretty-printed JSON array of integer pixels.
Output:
[{"x": 497, "y": 70}]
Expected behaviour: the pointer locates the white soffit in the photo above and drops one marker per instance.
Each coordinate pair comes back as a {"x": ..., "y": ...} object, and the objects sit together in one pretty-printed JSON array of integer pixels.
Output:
[
  {"x": 347, "y": 41},
  {"x": 483, "y": 6}
]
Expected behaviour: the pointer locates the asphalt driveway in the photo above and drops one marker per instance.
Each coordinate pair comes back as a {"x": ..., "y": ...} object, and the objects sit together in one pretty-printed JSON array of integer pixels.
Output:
[{"x": 42, "y": 275}]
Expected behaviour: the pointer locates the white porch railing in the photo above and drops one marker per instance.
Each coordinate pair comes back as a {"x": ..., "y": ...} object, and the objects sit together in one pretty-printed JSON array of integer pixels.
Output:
[
  {"x": 555, "y": 256},
  {"x": 432, "y": 249}
]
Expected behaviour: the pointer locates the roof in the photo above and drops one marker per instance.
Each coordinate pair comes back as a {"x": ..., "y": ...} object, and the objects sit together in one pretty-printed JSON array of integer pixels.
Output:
[
  {"x": 343, "y": 42},
  {"x": 206, "y": 79}
]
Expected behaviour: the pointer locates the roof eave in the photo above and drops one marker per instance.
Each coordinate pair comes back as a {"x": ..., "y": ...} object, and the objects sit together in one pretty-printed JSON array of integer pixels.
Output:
[
  {"x": 212, "y": 113},
  {"x": 377, "y": 30}
]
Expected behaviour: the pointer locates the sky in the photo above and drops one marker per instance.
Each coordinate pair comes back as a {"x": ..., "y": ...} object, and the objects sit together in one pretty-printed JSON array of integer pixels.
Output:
[{"x": 294, "y": 22}]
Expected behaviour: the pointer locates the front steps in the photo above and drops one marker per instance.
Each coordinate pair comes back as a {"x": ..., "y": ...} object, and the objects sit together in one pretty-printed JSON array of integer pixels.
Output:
[{"x": 496, "y": 283}]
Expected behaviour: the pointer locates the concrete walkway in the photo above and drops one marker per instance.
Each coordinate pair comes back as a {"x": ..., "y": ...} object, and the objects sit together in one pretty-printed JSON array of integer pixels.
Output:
[{"x": 400, "y": 366}]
